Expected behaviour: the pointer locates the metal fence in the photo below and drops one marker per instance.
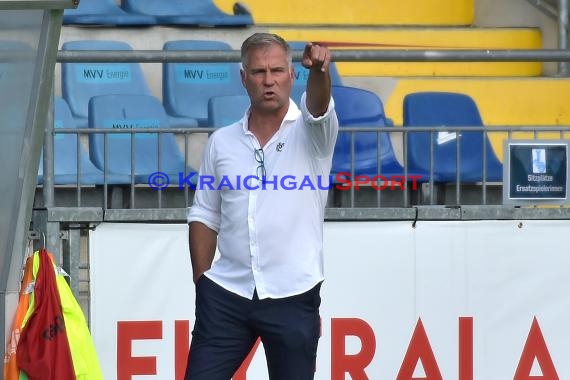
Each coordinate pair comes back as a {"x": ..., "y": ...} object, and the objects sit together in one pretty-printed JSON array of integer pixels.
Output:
[
  {"x": 136, "y": 202},
  {"x": 160, "y": 56},
  {"x": 115, "y": 199}
]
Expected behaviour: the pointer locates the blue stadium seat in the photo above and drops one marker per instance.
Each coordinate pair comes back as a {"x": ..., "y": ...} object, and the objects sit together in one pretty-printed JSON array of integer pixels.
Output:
[
  {"x": 189, "y": 12},
  {"x": 436, "y": 109},
  {"x": 65, "y": 155},
  {"x": 302, "y": 74},
  {"x": 81, "y": 81},
  {"x": 357, "y": 107},
  {"x": 187, "y": 87},
  {"x": 104, "y": 12},
  {"x": 227, "y": 109},
  {"x": 132, "y": 112}
]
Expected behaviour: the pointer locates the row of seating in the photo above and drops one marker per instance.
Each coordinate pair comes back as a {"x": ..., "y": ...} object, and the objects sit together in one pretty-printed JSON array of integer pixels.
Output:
[
  {"x": 155, "y": 12},
  {"x": 114, "y": 155},
  {"x": 186, "y": 88}
]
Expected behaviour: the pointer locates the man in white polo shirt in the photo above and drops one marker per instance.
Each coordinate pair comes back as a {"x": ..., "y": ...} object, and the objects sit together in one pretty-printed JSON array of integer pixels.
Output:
[{"x": 264, "y": 210}]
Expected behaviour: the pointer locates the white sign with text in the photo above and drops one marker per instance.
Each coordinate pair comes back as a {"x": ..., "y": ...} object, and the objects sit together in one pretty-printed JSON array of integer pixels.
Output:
[{"x": 484, "y": 300}]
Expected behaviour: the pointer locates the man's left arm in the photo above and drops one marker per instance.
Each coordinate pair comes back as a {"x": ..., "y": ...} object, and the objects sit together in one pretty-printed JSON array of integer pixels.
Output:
[
  {"x": 317, "y": 104},
  {"x": 316, "y": 59}
]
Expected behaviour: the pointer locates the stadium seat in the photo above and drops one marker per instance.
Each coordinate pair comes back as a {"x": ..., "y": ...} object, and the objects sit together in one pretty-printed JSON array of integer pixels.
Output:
[
  {"x": 81, "y": 81},
  {"x": 436, "y": 109},
  {"x": 65, "y": 155},
  {"x": 188, "y": 12},
  {"x": 357, "y": 107},
  {"x": 132, "y": 112},
  {"x": 104, "y": 12},
  {"x": 187, "y": 87},
  {"x": 227, "y": 109},
  {"x": 302, "y": 74}
]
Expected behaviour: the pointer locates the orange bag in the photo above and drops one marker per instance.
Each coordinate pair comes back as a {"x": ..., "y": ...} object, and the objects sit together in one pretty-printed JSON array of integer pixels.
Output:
[{"x": 11, "y": 371}]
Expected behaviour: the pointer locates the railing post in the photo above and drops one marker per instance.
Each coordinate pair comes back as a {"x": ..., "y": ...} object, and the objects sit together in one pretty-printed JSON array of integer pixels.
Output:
[
  {"x": 563, "y": 34},
  {"x": 48, "y": 159}
]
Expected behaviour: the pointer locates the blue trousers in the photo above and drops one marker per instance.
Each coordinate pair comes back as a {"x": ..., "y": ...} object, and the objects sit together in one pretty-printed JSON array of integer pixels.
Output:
[{"x": 227, "y": 327}]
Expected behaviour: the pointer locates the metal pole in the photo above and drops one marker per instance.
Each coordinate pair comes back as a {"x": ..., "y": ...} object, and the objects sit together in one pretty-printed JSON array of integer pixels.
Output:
[
  {"x": 562, "y": 34},
  {"x": 71, "y": 250},
  {"x": 457, "y": 55},
  {"x": 48, "y": 159}
]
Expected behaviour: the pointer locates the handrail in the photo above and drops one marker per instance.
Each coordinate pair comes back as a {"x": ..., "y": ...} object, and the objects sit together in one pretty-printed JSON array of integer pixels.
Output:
[
  {"x": 395, "y": 128},
  {"x": 403, "y": 55}
]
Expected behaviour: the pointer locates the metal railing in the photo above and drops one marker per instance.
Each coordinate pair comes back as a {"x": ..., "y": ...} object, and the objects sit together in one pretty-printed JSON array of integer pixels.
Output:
[
  {"x": 160, "y": 56},
  {"x": 184, "y": 190}
]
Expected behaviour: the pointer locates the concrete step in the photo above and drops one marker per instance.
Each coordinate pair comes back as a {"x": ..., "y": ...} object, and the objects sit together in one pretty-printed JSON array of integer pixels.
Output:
[{"x": 425, "y": 38}]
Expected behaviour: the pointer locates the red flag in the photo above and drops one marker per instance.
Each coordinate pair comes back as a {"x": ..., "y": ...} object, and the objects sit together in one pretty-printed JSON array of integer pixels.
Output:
[{"x": 43, "y": 350}]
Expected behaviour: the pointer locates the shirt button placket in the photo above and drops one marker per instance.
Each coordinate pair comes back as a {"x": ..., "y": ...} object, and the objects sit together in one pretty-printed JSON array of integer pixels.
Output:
[{"x": 253, "y": 246}]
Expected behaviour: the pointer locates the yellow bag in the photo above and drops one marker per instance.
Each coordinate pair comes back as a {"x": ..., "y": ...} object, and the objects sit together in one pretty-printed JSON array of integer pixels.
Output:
[{"x": 85, "y": 360}]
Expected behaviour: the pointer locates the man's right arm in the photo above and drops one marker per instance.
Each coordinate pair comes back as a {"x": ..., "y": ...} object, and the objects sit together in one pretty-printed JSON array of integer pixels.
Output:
[
  {"x": 204, "y": 218},
  {"x": 202, "y": 242}
]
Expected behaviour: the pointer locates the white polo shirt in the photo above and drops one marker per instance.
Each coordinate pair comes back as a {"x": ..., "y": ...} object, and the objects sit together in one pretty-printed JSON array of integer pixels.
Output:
[{"x": 270, "y": 235}]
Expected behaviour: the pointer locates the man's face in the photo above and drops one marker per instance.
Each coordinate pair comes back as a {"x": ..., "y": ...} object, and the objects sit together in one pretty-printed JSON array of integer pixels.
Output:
[{"x": 268, "y": 78}]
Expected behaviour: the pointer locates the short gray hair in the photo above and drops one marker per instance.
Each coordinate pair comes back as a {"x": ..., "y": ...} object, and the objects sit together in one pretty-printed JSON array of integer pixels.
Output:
[{"x": 258, "y": 40}]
